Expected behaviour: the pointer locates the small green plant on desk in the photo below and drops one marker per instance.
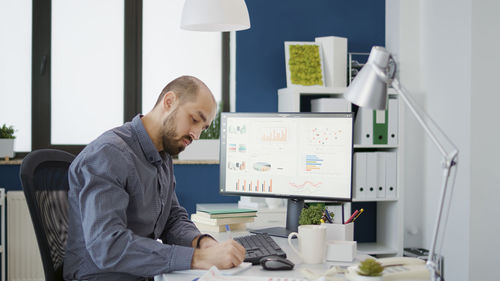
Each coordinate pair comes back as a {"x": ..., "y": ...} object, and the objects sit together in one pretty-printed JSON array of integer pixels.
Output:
[
  {"x": 370, "y": 267},
  {"x": 312, "y": 214}
]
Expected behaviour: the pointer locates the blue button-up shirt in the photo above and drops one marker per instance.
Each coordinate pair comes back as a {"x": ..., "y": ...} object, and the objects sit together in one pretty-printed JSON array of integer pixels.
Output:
[{"x": 121, "y": 199}]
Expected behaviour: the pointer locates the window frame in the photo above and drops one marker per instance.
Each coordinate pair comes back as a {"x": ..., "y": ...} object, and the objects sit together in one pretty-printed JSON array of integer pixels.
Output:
[{"x": 132, "y": 96}]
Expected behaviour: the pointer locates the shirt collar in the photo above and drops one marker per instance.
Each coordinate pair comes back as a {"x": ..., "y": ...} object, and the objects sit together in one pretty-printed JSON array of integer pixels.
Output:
[{"x": 146, "y": 143}]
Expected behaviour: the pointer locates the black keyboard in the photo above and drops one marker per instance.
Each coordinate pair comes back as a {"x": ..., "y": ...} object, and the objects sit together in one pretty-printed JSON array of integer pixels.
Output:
[{"x": 258, "y": 246}]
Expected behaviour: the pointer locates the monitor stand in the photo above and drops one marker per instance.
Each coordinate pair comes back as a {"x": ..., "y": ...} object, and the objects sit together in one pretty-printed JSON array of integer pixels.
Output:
[{"x": 293, "y": 209}]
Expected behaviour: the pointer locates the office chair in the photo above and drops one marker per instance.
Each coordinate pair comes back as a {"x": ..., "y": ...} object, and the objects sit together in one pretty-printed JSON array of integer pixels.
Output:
[{"x": 44, "y": 177}]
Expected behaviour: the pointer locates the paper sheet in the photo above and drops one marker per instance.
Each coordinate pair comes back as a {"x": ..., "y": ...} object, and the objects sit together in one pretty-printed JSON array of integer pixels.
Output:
[
  {"x": 215, "y": 275},
  {"x": 231, "y": 271}
]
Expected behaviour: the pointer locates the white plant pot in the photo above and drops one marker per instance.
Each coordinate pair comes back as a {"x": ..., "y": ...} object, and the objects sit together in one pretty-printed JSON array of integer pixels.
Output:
[
  {"x": 201, "y": 150},
  {"x": 7, "y": 148},
  {"x": 358, "y": 277}
]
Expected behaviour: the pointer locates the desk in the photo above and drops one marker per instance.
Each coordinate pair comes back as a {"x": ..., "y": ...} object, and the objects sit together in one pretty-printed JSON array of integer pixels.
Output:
[{"x": 258, "y": 271}]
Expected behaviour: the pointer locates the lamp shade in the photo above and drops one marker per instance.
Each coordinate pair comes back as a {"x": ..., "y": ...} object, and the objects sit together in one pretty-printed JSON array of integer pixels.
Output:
[
  {"x": 215, "y": 15},
  {"x": 369, "y": 87}
]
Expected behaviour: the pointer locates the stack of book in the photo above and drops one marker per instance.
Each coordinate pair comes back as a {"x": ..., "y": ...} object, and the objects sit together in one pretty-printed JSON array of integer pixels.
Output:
[{"x": 216, "y": 220}]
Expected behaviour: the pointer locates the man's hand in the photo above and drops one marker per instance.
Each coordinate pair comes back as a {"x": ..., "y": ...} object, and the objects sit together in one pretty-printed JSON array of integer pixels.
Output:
[{"x": 223, "y": 255}]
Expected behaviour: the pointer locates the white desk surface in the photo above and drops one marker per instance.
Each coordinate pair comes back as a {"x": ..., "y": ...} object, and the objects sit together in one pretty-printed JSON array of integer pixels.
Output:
[{"x": 257, "y": 270}]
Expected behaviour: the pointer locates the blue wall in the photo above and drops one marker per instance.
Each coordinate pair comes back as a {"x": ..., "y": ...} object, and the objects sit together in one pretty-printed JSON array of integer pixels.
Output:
[
  {"x": 199, "y": 184},
  {"x": 260, "y": 54},
  {"x": 9, "y": 177}
]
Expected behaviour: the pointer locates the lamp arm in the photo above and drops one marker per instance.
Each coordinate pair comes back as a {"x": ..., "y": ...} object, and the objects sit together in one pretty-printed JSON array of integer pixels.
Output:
[
  {"x": 450, "y": 161},
  {"x": 433, "y": 262},
  {"x": 419, "y": 116}
]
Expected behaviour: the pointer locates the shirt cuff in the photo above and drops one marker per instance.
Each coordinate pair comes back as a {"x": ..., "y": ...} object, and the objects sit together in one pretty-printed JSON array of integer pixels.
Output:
[
  {"x": 189, "y": 237},
  {"x": 181, "y": 258}
]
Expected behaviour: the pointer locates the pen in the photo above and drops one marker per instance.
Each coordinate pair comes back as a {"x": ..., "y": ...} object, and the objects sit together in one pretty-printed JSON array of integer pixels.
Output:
[
  {"x": 328, "y": 217},
  {"x": 360, "y": 211},
  {"x": 352, "y": 216},
  {"x": 228, "y": 230}
]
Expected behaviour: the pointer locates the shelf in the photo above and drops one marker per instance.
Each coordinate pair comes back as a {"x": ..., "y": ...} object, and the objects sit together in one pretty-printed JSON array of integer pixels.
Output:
[
  {"x": 376, "y": 249},
  {"x": 314, "y": 90},
  {"x": 195, "y": 162},
  {"x": 375, "y": 146},
  {"x": 374, "y": 200}
]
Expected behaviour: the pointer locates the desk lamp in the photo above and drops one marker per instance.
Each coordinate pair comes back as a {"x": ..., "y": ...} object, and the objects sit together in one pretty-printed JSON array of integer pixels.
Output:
[
  {"x": 215, "y": 15},
  {"x": 369, "y": 89}
]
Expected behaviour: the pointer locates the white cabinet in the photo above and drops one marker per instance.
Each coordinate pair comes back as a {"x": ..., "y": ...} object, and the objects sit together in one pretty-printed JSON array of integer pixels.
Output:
[{"x": 388, "y": 224}]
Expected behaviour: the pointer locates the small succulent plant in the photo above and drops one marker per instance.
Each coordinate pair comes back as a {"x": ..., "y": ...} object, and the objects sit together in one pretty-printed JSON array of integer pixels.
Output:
[{"x": 370, "y": 267}]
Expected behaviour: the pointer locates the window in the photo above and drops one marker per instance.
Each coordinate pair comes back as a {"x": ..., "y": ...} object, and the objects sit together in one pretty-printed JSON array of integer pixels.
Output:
[
  {"x": 15, "y": 70},
  {"x": 87, "y": 69},
  {"x": 90, "y": 68},
  {"x": 169, "y": 52}
]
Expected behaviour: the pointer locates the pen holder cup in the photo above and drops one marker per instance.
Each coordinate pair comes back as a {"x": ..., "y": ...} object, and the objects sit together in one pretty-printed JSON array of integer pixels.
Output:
[
  {"x": 341, "y": 250},
  {"x": 337, "y": 231}
]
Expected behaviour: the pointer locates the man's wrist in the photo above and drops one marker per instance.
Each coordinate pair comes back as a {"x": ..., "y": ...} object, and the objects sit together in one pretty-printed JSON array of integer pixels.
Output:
[{"x": 198, "y": 243}]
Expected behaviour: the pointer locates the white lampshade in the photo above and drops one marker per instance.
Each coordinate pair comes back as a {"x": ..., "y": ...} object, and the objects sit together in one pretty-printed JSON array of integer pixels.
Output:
[
  {"x": 215, "y": 15},
  {"x": 369, "y": 87}
]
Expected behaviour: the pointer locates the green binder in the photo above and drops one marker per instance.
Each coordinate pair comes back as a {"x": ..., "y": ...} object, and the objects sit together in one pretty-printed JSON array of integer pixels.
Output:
[{"x": 380, "y": 121}]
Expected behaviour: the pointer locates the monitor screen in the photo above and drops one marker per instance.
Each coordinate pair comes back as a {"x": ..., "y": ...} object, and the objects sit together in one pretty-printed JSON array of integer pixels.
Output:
[{"x": 287, "y": 155}]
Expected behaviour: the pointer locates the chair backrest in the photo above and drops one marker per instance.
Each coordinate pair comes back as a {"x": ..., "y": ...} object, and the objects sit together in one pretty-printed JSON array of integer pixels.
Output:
[{"x": 44, "y": 177}]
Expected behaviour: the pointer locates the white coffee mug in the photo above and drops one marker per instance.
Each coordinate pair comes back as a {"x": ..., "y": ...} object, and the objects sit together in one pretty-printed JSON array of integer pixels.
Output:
[{"x": 312, "y": 243}]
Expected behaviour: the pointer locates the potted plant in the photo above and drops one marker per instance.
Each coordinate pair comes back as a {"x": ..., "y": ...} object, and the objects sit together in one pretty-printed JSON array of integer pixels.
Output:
[
  {"x": 7, "y": 141},
  {"x": 312, "y": 214},
  {"x": 207, "y": 147},
  {"x": 367, "y": 270}
]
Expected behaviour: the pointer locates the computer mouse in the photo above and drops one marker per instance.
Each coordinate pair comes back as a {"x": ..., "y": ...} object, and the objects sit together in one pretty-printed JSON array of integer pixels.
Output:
[{"x": 276, "y": 263}]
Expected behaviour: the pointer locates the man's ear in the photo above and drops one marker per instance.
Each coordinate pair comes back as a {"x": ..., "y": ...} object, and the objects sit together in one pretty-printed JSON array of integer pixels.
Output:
[{"x": 169, "y": 101}]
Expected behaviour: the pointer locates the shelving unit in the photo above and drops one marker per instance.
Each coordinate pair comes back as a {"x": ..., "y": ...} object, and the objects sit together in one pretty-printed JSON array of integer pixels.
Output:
[{"x": 389, "y": 217}]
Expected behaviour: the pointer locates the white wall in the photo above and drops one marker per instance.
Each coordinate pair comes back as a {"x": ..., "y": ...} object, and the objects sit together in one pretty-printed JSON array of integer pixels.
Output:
[
  {"x": 448, "y": 53},
  {"x": 485, "y": 135},
  {"x": 403, "y": 40},
  {"x": 446, "y": 57}
]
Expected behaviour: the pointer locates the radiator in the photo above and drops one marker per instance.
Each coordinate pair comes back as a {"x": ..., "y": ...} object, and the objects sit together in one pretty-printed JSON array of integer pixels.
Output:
[{"x": 23, "y": 257}]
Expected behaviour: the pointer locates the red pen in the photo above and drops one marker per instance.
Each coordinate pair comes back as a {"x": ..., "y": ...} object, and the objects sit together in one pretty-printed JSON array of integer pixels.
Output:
[{"x": 352, "y": 217}]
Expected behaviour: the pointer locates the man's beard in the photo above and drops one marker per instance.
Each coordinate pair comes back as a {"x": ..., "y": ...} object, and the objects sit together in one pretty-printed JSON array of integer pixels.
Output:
[{"x": 171, "y": 144}]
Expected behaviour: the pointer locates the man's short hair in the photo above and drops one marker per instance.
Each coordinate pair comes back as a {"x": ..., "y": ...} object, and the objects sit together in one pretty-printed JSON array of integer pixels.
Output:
[{"x": 186, "y": 89}]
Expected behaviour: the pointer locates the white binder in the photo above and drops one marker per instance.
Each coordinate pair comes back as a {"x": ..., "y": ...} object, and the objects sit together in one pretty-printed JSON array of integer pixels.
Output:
[
  {"x": 392, "y": 126},
  {"x": 381, "y": 175},
  {"x": 363, "y": 127},
  {"x": 391, "y": 175},
  {"x": 359, "y": 179},
  {"x": 371, "y": 175}
]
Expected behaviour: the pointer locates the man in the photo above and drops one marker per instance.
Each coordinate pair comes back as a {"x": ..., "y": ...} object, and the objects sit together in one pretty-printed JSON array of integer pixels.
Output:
[{"x": 122, "y": 197}]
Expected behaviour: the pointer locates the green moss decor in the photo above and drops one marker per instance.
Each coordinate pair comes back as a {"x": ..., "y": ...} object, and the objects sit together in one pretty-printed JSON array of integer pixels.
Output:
[{"x": 305, "y": 64}]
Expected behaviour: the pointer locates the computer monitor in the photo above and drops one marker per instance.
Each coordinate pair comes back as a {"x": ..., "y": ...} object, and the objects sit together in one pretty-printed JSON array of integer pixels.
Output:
[{"x": 287, "y": 155}]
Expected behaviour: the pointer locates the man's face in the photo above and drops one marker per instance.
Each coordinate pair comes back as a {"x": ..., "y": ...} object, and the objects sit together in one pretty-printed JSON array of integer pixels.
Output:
[{"x": 186, "y": 122}]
